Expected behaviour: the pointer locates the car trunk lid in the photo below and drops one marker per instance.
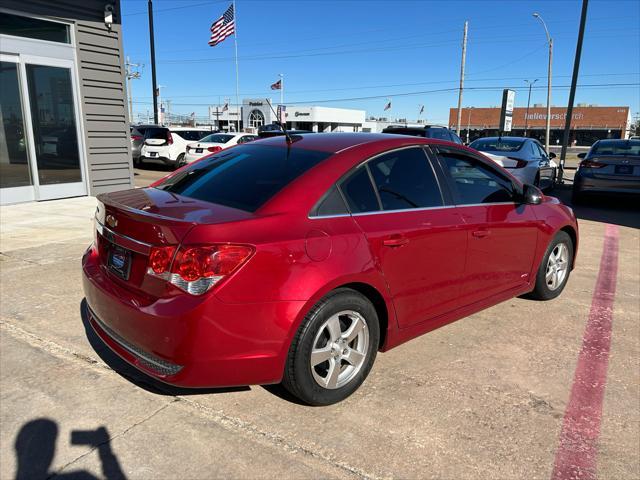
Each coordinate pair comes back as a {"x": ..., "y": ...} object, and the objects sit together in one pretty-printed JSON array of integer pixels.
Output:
[{"x": 129, "y": 223}]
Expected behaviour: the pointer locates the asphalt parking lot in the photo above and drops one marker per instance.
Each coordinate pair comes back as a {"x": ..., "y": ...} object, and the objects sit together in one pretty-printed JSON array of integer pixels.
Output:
[{"x": 522, "y": 390}]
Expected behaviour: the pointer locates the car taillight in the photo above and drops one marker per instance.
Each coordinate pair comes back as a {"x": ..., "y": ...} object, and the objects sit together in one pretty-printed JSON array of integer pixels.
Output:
[
  {"x": 169, "y": 138},
  {"x": 591, "y": 164},
  {"x": 214, "y": 149},
  {"x": 136, "y": 137},
  {"x": 196, "y": 269},
  {"x": 160, "y": 259},
  {"x": 519, "y": 163}
]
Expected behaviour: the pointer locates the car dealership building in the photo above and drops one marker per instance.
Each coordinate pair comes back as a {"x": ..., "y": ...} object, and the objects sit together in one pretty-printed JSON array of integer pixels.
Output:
[
  {"x": 64, "y": 127},
  {"x": 589, "y": 122}
]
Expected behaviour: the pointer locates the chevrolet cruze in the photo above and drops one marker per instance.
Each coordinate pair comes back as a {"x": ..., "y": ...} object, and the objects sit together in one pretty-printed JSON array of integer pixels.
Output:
[{"x": 296, "y": 259}]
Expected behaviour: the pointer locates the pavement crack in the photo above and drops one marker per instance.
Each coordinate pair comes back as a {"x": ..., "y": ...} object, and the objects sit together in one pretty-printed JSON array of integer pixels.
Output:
[{"x": 111, "y": 438}]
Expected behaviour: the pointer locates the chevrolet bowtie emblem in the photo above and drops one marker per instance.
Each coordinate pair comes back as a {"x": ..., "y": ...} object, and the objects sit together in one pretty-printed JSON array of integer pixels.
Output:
[{"x": 111, "y": 221}]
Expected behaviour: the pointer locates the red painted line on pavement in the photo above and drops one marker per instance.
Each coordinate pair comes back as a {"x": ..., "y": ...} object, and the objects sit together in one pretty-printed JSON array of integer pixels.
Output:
[{"x": 576, "y": 455}]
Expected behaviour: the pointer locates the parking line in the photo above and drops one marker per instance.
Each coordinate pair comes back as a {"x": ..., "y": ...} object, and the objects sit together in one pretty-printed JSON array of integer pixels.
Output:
[{"x": 577, "y": 449}]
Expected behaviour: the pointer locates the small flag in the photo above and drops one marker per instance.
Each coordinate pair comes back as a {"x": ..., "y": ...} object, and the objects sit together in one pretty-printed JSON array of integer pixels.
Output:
[
  {"x": 277, "y": 85},
  {"x": 225, "y": 107},
  {"x": 421, "y": 109},
  {"x": 387, "y": 106},
  {"x": 223, "y": 27}
]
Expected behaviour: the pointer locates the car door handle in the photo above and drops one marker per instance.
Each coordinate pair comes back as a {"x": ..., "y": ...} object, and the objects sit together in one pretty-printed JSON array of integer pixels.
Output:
[
  {"x": 481, "y": 233},
  {"x": 395, "y": 241}
]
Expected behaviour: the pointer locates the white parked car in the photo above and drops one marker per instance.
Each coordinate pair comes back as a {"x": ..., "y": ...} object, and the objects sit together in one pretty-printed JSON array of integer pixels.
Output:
[
  {"x": 169, "y": 144},
  {"x": 214, "y": 143}
]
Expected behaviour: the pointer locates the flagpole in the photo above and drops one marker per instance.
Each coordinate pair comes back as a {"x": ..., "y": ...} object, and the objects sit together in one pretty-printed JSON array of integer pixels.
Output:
[
  {"x": 282, "y": 89},
  {"x": 235, "y": 42}
]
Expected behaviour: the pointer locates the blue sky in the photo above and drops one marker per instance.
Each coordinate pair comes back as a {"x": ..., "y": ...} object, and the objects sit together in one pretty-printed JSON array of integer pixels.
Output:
[{"x": 335, "y": 51}]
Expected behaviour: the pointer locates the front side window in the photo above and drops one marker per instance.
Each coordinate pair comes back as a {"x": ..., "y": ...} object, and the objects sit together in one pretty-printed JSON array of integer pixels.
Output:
[
  {"x": 405, "y": 180},
  {"x": 474, "y": 182},
  {"x": 358, "y": 191}
]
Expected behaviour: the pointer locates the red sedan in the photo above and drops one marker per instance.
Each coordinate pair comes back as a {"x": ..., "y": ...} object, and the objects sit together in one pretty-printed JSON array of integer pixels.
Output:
[{"x": 297, "y": 261}]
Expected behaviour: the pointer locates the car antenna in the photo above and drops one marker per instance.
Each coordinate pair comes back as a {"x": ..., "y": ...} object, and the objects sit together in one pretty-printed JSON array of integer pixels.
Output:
[{"x": 284, "y": 130}]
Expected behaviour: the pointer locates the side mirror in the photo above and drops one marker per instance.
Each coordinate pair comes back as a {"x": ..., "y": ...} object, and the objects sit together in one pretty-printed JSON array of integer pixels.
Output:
[
  {"x": 531, "y": 195},
  {"x": 552, "y": 155},
  {"x": 582, "y": 155}
]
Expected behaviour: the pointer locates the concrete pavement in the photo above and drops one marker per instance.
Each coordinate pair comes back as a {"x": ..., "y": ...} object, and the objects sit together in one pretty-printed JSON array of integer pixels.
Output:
[{"x": 484, "y": 397}]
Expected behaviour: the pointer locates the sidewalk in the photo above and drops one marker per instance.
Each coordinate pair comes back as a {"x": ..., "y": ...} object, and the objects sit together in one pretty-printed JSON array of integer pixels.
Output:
[{"x": 33, "y": 224}]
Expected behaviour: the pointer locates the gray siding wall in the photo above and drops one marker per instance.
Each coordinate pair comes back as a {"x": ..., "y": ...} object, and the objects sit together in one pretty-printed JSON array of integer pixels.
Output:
[{"x": 102, "y": 87}]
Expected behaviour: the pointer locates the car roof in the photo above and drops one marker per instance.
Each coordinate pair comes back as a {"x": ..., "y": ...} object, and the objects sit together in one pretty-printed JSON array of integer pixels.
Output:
[
  {"x": 505, "y": 138},
  {"x": 339, "y": 141}
]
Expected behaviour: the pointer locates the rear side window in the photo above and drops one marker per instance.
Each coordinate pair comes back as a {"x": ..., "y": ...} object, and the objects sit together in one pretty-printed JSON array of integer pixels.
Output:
[
  {"x": 358, "y": 191},
  {"x": 474, "y": 182},
  {"x": 331, "y": 204},
  {"x": 244, "y": 177},
  {"x": 405, "y": 179}
]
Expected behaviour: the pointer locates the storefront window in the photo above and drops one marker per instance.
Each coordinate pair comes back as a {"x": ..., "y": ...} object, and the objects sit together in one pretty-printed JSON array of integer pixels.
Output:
[
  {"x": 20, "y": 26},
  {"x": 14, "y": 167}
]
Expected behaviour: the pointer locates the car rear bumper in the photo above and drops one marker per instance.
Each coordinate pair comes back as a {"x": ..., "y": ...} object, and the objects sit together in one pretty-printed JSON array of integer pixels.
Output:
[
  {"x": 611, "y": 184},
  {"x": 192, "y": 157},
  {"x": 189, "y": 341}
]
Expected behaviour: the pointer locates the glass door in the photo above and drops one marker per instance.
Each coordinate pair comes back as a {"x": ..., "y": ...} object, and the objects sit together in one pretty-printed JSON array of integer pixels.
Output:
[
  {"x": 16, "y": 184},
  {"x": 40, "y": 150}
]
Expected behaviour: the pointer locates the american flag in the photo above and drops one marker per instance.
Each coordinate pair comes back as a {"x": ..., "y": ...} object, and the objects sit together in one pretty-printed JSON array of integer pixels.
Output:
[
  {"x": 223, "y": 27},
  {"x": 225, "y": 107},
  {"x": 387, "y": 106},
  {"x": 421, "y": 109},
  {"x": 277, "y": 85}
]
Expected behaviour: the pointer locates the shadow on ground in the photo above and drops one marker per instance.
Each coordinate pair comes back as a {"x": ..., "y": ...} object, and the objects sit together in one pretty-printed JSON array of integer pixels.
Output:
[
  {"x": 617, "y": 210},
  {"x": 134, "y": 375},
  {"x": 35, "y": 448}
]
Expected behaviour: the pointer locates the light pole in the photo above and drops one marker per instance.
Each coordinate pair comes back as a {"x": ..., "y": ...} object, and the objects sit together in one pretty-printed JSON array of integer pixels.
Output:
[
  {"x": 550, "y": 41},
  {"x": 469, "y": 123},
  {"x": 526, "y": 117}
]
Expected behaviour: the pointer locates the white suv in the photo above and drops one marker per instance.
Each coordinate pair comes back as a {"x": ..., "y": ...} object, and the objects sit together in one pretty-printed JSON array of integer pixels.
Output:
[{"x": 169, "y": 144}]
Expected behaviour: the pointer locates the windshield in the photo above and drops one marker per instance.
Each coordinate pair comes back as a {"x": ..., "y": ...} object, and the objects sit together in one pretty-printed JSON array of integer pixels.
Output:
[
  {"x": 616, "y": 147},
  {"x": 503, "y": 144},
  {"x": 244, "y": 177},
  {"x": 217, "y": 138}
]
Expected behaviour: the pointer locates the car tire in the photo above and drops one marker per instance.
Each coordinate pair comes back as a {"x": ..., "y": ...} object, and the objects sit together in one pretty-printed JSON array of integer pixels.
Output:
[
  {"x": 137, "y": 162},
  {"x": 326, "y": 362},
  {"x": 180, "y": 161},
  {"x": 555, "y": 268}
]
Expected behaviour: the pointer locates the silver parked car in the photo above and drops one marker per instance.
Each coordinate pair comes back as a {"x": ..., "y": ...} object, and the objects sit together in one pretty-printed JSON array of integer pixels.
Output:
[
  {"x": 524, "y": 157},
  {"x": 610, "y": 166}
]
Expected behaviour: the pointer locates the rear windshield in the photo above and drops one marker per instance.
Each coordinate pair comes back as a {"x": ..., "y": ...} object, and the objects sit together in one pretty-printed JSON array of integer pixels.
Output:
[
  {"x": 157, "y": 133},
  {"x": 191, "y": 134},
  {"x": 243, "y": 177},
  {"x": 616, "y": 147},
  {"x": 217, "y": 138},
  {"x": 503, "y": 144}
]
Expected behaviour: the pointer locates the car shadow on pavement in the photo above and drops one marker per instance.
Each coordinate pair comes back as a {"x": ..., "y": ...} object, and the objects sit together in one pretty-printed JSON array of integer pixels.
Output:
[
  {"x": 35, "y": 448},
  {"x": 134, "y": 375},
  {"x": 618, "y": 210}
]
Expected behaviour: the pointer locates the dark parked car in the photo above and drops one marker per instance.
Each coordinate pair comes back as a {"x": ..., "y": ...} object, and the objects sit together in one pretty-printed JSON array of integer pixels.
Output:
[
  {"x": 138, "y": 133},
  {"x": 297, "y": 262},
  {"x": 428, "y": 131},
  {"x": 610, "y": 167}
]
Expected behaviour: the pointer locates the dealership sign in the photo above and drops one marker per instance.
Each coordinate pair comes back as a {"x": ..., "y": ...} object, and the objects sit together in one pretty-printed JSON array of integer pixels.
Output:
[{"x": 506, "y": 112}]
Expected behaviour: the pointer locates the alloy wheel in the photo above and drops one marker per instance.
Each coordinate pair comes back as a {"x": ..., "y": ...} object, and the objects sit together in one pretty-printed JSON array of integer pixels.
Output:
[
  {"x": 557, "y": 266},
  {"x": 339, "y": 349}
]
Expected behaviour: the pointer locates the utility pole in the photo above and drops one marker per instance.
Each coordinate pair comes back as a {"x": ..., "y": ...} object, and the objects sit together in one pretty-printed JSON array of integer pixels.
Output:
[
  {"x": 154, "y": 83},
  {"x": 526, "y": 116},
  {"x": 550, "y": 41},
  {"x": 130, "y": 75},
  {"x": 574, "y": 81},
  {"x": 464, "y": 58}
]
